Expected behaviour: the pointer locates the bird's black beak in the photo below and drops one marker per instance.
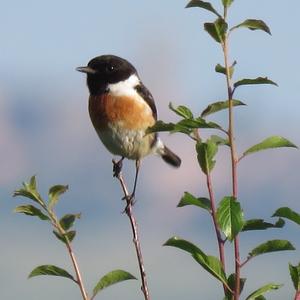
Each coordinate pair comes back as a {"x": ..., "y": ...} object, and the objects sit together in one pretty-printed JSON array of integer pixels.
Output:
[{"x": 87, "y": 70}]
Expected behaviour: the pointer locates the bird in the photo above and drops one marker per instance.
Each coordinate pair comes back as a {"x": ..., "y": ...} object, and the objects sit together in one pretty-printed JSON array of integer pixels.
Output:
[{"x": 121, "y": 109}]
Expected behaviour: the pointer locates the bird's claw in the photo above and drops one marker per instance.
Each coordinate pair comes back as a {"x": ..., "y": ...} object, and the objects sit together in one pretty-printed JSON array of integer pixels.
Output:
[
  {"x": 117, "y": 167},
  {"x": 130, "y": 201}
]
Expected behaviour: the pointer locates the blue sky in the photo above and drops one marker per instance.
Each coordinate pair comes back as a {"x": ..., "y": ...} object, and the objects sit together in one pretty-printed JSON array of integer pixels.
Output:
[{"x": 45, "y": 130}]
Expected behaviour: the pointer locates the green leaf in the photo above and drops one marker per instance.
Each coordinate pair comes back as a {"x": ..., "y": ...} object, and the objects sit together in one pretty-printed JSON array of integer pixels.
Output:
[
  {"x": 50, "y": 270},
  {"x": 220, "y": 105},
  {"x": 231, "y": 283},
  {"x": 189, "y": 199},
  {"x": 217, "y": 30},
  {"x": 253, "y": 24},
  {"x": 29, "y": 190},
  {"x": 258, "y": 80},
  {"x": 183, "y": 245},
  {"x": 295, "y": 275},
  {"x": 185, "y": 126},
  {"x": 67, "y": 237},
  {"x": 219, "y": 140},
  {"x": 230, "y": 217},
  {"x": 271, "y": 246},
  {"x": 220, "y": 69},
  {"x": 266, "y": 288},
  {"x": 31, "y": 210},
  {"x": 197, "y": 123},
  {"x": 227, "y": 3},
  {"x": 54, "y": 194},
  {"x": 205, "y": 154},
  {"x": 286, "y": 212},
  {"x": 182, "y": 111},
  {"x": 269, "y": 143},
  {"x": 210, "y": 263},
  {"x": 67, "y": 221},
  {"x": 110, "y": 279},
  {"x": 260, "y": 224},
  {"x": 204, "y": 5},
  {"x": 160, "y": 126}
]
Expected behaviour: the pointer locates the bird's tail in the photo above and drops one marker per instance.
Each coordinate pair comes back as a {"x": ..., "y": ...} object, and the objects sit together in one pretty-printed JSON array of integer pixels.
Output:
[
  {"x": 166, "y": 154},
  {"x": 170, "y": 157}
]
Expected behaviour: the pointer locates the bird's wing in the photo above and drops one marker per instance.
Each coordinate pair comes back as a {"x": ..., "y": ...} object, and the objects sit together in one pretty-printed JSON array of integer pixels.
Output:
[{"x": 147, "y": 96}]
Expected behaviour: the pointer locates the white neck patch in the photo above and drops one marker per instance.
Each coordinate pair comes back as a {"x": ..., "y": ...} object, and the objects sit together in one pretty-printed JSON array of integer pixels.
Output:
[{"x": 125, "y": 87}]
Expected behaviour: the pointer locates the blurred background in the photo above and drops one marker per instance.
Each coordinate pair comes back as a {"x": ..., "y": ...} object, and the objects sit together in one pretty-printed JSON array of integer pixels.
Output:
[{"x": 45, "y": 130}]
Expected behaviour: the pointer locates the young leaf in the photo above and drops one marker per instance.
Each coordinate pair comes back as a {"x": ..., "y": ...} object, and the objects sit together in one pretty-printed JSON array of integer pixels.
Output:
[
  {"x": 227, "y": 3},
  {"x": 29, "y": 190},
  {"x": 217, "y": 30},
  {"x": 210, "y": 263},
  {"x": 219, "y": 140},
  {"x": 189, "y": 199},
  {"x": 220, "y": 69},
  {"x": 253, "y": 24},
  {"x": 54, "y": 193},
  {"x": 67, "y": 221},
  {"x": 220, "y": 105},
  {"x": 295, "y": 276},
  {"x": 263, "y": 290},
  {"x": 230, "y": 217},
  {"x": 269, "y": 143},
  {"x": 182, "y": 111},
  {"x": 110, "y": 279},
  {"x": 286, "y": 212},
  {"x": 258, "y": 80},
  {"x": 205, "y": 154},
  {"x": 31, "y": 210},
  {"x": 50, "y": 270},
  {"x": 271, "y": 246},
  {"x": 67, "y": 237},
  {"x": 204, "y": 5},
  {"x": 260, "y": 224},
  {"x": 231, "y": 283}
]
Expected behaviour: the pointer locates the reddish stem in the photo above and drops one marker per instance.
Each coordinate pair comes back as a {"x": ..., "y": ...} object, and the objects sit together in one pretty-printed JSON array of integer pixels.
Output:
[
  {"x": 216, "y": 226},
  {"x": 136, "y": 241}
]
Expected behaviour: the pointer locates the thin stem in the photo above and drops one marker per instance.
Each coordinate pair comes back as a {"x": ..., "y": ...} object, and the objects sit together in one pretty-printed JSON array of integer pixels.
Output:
[
  {"x": 136, "y": 241},
  {"x": 62, "y": 232},
  {"x": 246, "y": 261},
  {"x": 297, "y": 295},
  {"x": 234, "y": 158},
  {"x": 216, "y": 226}
]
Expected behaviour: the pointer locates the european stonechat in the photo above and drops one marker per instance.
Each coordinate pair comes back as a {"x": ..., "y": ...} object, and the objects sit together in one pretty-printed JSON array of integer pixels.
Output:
[{"x": 121, "y": 109}]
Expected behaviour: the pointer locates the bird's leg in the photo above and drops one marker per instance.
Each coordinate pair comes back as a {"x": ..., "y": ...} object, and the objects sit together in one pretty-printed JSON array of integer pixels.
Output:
[
  {"x": 117, "y": 167},
  {"x": 137, "y": 168},
  {"x": 130, "y": 198}
]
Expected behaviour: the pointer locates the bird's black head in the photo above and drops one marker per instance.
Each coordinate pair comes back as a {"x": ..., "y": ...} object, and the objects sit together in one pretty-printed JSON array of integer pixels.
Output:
[{"x": 104, "y": 70}]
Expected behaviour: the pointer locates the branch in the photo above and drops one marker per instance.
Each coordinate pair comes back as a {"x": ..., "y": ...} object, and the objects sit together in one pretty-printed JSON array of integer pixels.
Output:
[
  {"x": 62, "y": 232},
  {"x": 136, "y": 241}
]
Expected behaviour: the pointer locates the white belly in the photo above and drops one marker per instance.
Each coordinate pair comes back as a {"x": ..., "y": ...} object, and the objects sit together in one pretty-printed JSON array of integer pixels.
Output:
[{"x": 132, "y": 144}]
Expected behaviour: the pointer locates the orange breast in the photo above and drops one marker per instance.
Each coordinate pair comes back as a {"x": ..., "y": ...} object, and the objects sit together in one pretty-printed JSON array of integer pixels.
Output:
[{"x": 130, "y": 112}]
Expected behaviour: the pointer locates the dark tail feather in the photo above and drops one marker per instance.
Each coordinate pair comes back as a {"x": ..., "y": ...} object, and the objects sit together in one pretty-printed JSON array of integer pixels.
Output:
[{"x": 170, "y": 157}]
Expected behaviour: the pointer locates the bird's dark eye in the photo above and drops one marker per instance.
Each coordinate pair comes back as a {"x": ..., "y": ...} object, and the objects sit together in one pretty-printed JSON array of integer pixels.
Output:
[{"x": 110, "y": 68}]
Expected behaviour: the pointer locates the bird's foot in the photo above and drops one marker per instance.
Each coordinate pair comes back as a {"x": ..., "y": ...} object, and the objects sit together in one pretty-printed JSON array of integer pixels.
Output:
[
  {"x": 130, "y": 201},
  {"x": 117, "y": 167}
]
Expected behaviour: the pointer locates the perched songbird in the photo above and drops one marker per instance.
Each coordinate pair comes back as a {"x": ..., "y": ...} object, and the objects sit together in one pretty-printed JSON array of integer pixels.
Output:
[{"x": 121, "y": 109}]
